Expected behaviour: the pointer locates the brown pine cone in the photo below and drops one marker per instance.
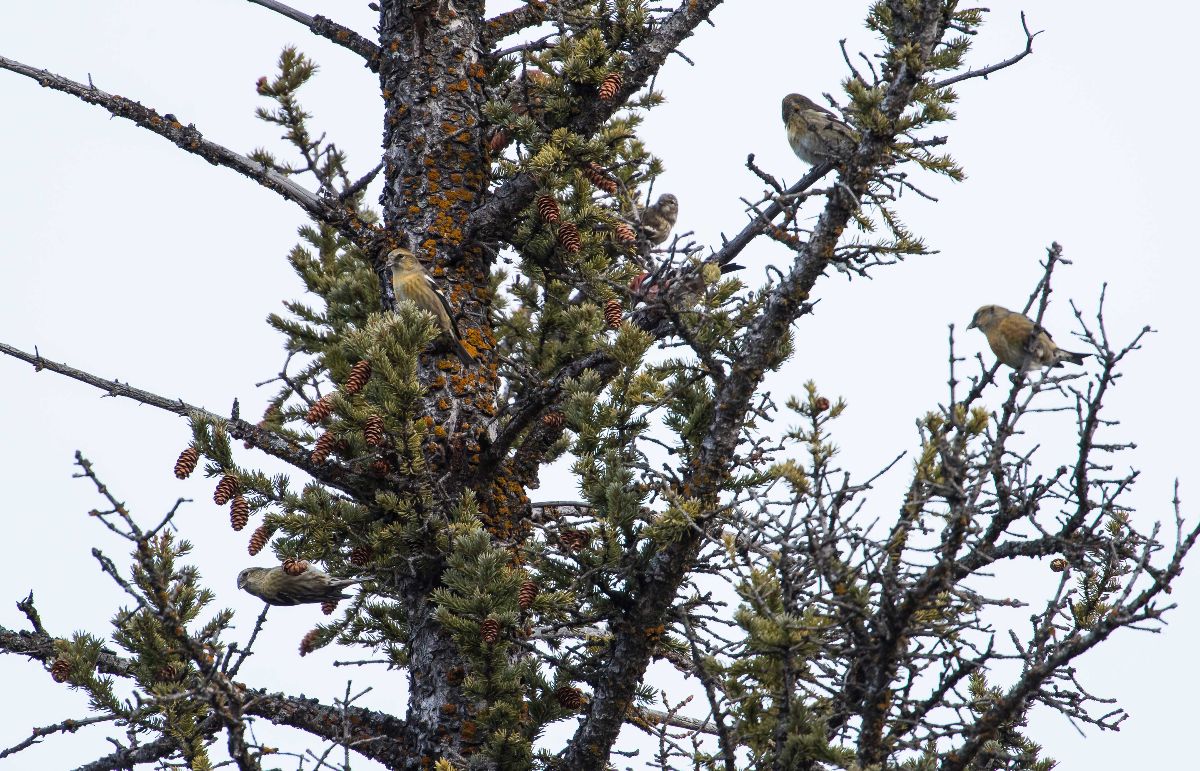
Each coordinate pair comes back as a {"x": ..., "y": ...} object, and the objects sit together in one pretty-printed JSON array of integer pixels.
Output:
[
  {"x": 320, "y": 410},
  {"x": 610, "y": 86},
  {"x": 239, "y": 512},
  {"x": 323, "y": 447},
  {"x": 624, "y": 233},
  {"x": 1058, "y": 564},
  {"x": 597, "y": 176},
  {"x": 612, "y": 313},
  {"x": 226, "y": 489},
  {"x": 575, "y": 540},
  {"x": 380, "y": 467},
  {"x": 258, "y": 539},
  {"x": 328, "y": 607},
  {"x": 822, "y": 404},
  {"x": 547, "y": 208},
  {"x": 294, "y": 567},
  {"x": 187, "y": 462},
  {"x": 569, "y": 696},
  {"x": 568, "y": 237},
  {"x": 528, "y": 593},
  {"x": 60, "y": 670},
  {"x": 554, "y": 419},
  {"x": 373, "y": 431},
  {"x": 489, "y": 630},
  {"x": 308, "y": 643},
  {"x": 360, "y": 555},
  {"x": 359, "y": 375}
]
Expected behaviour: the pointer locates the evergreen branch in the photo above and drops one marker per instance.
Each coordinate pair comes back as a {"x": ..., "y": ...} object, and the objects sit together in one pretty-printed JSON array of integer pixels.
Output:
[
  {"x": 332, "y": 474},
  {"x": 189, "y": 139},
  {"x": 983, "y": 72},
  {"x": 629, "y": 652},
  {"x": 492, "y": 218},
  {"x": 330, "y": 30}
]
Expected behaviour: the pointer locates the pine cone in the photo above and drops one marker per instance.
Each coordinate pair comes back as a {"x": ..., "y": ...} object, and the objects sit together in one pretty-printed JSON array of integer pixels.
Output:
[
  {"x": 497, "y": 141},
  {"x": 568, "y": 237},
  {"x": 822, "y": 404},
  {"x": 294, "y": 567},
  {"x": 547, "y": 208},
  {"x": 612, "y": 313},
  {"x": 610, "y": 86},
  {"x": 359, "y": 375},
  {"x": 380, "y": 467},
  {"x": 575, "y": 540},
  {"x": 596, "y": 175},
  {"x": 226, "y": 489},
  {"x": 328, "y": 607},
  {"x": 1058, "y": 564},
  {"x": 60, "y": 670},
  {"x": 528, "y": 593},
  {"x": 569, "y": 696},
  {"x": 360, "y": 555},
  {"x": 239, "y": 513},
  {"x": 489, "y": 630},
  {"x": 323, "y": 447},
  {"x": 308, "y": 643},
  {"x": 258, "y": 539},
  {"x": 373, "y": 431},
  {"x": 320, "y": 410},
  {"x": 624, "y": 233},
  {"x": 187, "y": 462},
  {"x": 554, "y": 419}
]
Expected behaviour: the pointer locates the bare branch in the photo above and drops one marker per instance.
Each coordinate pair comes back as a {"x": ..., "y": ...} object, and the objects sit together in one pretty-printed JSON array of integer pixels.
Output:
[
  {"x": 983, "y": 72},
  {"x": 330, "y": 30}
]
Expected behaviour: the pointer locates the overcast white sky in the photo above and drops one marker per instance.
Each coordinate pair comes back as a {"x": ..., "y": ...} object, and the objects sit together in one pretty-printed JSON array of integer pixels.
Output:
[{"x": 123, "y": 256}]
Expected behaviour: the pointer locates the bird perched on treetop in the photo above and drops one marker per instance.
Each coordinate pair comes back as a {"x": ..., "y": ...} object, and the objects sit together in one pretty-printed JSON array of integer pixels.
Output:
[
  {"x": 1018, "y": 342},
  {"x": 411, "y": 282},
  {"x": 275, "y": 587},
  {"x": 657, "y": 220},
  {"x": 815, "y": 134}
]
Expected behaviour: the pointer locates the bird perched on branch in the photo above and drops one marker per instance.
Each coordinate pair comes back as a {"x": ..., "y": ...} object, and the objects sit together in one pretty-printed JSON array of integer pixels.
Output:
[
  {"x": 411, "y": 282},
  {"x": 1018, "y": 342},
  {"x": 655, "y": 222},
  {"x": 275, "y": 587},
  {"x": 815, "y": 134}
]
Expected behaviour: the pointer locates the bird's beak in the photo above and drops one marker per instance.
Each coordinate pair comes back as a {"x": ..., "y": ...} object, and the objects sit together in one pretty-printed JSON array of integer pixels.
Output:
[{"x": 972, "y": 325}]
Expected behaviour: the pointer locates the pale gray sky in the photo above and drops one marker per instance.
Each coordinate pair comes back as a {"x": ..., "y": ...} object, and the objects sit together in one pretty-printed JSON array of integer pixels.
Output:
[{"x": 123, "y": 256}]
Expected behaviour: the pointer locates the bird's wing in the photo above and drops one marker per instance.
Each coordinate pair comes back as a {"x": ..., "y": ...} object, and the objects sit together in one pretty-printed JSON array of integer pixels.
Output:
[{"x": 445, "y": 303}]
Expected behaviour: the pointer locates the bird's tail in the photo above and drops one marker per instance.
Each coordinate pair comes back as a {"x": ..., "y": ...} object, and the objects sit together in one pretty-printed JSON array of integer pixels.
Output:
[{"x": 1070, "y": 356}]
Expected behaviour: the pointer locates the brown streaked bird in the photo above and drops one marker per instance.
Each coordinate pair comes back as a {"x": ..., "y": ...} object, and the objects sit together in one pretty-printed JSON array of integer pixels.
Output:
[
  {"x": 815, "y": 134},
  {"x": 275, "y": 587},
  {"x": 657, "y": 220},
  {"x": 1018, "y": 342},
  {"x": 411, "y": 282}
]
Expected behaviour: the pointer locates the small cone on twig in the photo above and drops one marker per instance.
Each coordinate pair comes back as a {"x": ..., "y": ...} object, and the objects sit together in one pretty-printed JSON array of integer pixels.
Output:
[
  {"x": 380, "y": 467},
  {"x": 323, "y": 447},
  {"x": 489, "y": 630},
  {"x": 568, "y": 237},
  {"x": 373, "y": 431},
  {"x": 610, "y": 86},
  {"x": 187, "y": 462},
  {"x": 60, "y": 670},
  {"x": 528, "y": 593},
  {"x": 226, "y": 489},
  {"x": 612, "y": 313},
  {"x": 239, "y": 512},
  {"x": 575, "y": 540},
  {"x": 308, "y": 643},
  {"x": 822, "y": 404},
  {"x": 328, "y": 607},
  {"x": 569, "y": 696},
  {"x": 294, "y": 567},
  {"x": 320, "y": 410},
  {"x": 624, "y": 233},
  {"x": 360, "y": 555},
  {"x": 597, "y": 176},
  {"x": 359, "y": 375},
  {"x": 554, "y": 419},
  {"x": 1058, "y": 564},
  {"x": 258, "y": 539},
  {"x": 547, "y": 208}
]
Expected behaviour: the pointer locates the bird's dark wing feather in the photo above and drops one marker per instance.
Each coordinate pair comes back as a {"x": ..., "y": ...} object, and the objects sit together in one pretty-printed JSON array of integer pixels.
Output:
[{"x": 445, "y": 304}]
